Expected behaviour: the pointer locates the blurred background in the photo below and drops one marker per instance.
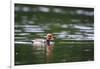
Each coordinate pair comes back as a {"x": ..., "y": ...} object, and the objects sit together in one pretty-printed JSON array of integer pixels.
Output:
[{"x": 73, "y": 28}]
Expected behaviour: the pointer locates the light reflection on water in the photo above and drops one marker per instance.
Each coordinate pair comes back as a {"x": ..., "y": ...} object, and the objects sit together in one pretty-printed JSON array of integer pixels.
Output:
[
  {"x": 74, "y": 34},
  {"x": 63, "y": 34}
]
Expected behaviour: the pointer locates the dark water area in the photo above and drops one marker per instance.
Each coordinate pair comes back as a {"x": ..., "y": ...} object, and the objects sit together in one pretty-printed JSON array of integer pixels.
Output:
[{"x": 73, "y": 28}]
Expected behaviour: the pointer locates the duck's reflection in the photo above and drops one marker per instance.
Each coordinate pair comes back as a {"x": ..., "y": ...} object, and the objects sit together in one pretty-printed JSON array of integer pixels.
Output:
[{"x": 49, "y": 54}]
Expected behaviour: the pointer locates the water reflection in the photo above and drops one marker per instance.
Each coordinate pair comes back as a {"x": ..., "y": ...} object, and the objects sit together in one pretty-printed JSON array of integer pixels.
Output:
[
  {"x": 25, "y": 9},
  {"x": 19, "y": 42},
  {"x": 73, "y": 29},
  {"x": 43, "y": 9}
]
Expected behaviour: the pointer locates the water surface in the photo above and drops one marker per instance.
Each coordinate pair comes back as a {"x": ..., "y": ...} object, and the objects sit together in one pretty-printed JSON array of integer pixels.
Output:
[{"x": 73, "y": 28}]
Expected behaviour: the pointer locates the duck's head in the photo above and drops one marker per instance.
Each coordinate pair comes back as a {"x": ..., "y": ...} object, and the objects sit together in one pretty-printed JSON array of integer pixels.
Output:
[{"x": 50, "y": 36}]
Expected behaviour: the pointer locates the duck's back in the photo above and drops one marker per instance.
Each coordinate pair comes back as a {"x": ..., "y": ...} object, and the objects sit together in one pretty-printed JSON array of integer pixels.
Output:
[{"x": 38, "y": 42}]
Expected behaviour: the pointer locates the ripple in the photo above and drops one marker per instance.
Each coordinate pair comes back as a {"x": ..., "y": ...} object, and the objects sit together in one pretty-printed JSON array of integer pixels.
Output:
[
  {"x": 17, "y": 42},
  {"x": 43, "y": 9}
]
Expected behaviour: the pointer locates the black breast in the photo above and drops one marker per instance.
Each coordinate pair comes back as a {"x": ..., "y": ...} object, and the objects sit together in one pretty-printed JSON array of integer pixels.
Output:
[{"x": 48, "y": 42}]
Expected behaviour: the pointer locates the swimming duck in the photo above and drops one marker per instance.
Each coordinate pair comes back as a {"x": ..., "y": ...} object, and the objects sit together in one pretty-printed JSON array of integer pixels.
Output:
[{"x": 38, "y": 42}]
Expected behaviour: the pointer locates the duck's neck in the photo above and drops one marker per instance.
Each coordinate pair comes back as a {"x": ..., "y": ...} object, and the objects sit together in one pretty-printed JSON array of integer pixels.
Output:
[{"x": 48, "y": 42}]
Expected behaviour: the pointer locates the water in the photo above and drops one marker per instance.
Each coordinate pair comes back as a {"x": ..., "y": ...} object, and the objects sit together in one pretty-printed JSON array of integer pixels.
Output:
[{"x": 72, "y": 27}]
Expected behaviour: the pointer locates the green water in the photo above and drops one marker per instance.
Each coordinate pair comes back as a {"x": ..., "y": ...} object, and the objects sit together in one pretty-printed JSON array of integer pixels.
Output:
[{"x": 72, "y": 27}]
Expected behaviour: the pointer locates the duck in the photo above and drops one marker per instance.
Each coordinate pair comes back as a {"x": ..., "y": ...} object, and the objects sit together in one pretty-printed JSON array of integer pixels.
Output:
[{"x": 48, "y": 41}]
